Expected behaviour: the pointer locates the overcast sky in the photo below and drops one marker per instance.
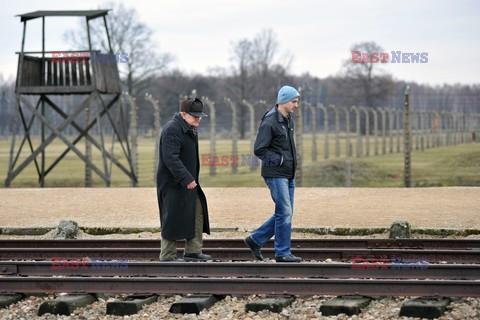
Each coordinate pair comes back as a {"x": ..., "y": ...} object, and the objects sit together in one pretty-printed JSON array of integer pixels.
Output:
[{"x": 319, "y": 34}]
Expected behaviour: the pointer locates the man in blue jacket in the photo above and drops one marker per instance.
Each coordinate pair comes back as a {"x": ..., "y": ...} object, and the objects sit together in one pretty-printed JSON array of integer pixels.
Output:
[{"x": 275, "y": 146}]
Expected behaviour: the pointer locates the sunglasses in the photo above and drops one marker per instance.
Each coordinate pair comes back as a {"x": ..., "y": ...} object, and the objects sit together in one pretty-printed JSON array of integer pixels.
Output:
[{"x": 195, "y": 117}]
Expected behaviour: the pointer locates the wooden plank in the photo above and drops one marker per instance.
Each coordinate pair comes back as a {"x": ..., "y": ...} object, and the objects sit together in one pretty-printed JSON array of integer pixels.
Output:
[
  {"x": 37, "y": 77},
  {"x": 99, "y": 76},
  {"x": 104, "y": 76},
  {"x": 24, "y": 69},
  {"x": 26, "y": 72},
  {"x": 55, "y": 90},
  {"x": 61, "y": 65},
  {"x": 55, "y": 74},
  {"x": 67, "y": 73},
  {"x": 88, "y": 75},
  {"x": 112, "y": 77},
  {"x": 118, "y": 87},
  {"x": 109, "y": 76},
  {"x": 73, "y": 65},
  {"x": 31, "y": 73},
  {"x": 49, "y": 72},
  {"x": 81, "y": 81}
]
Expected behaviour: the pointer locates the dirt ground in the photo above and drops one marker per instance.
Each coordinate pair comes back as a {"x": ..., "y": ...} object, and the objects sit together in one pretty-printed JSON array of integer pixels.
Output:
[{"x": 456, "y": 207}]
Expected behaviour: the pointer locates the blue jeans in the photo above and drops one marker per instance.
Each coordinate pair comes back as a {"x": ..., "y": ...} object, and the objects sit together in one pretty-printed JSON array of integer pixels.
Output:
[{"x": 280, "y": 223}]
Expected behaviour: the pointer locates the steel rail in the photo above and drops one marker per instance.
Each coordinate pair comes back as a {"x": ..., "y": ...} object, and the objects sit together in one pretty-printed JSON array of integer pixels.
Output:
[
  {"x": 238, "y": 243},
  {"x": 338, "y": 254},
  {"x": 240, "y": 269},
  {"x": 170, "y": 285}
]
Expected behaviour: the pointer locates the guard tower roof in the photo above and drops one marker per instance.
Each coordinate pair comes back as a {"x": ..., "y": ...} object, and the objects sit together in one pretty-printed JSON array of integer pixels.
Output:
[{"x": 90, "y": 14}]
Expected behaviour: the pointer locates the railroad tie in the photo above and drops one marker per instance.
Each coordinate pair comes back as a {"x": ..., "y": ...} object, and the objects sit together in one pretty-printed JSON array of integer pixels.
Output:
[
  {"x": 66, "y": 305},
  {"x": 429, "y": 308},
  {"x": 131, "y": 305},
  {"x": 193, "y": 304},
  {"x": 8, "y": 299},
  {"x": 350, "y": 305},
  {"x": 273, "y": 304}
]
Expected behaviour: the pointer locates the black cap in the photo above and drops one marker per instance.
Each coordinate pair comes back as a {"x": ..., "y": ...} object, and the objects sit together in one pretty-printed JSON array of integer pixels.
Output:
[{"x": 193, "y": 106}]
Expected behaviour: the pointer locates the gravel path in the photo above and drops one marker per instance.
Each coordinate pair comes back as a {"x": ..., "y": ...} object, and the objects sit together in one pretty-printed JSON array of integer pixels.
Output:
[{"x": 453, "y": 208}]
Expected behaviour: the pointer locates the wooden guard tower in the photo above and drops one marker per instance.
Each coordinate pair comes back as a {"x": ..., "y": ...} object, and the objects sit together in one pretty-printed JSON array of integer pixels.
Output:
[{"x": 41, "y": 74}]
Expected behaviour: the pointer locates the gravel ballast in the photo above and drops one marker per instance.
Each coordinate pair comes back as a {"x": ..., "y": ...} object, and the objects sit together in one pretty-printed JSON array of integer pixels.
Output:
[{"x": 234, "y": 308}]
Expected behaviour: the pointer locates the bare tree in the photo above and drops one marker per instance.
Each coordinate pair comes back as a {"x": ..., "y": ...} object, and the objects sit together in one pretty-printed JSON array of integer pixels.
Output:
[
  {"x": 365, "y": 83},
  {"x": 266, "y": 63},
  {"x": 130, "y": 37},
  {"x": 366, "y": 71},
  {"x": 264, "y": 51},
  {"x": 242, "y": 57},
  {"x": 258, "y": 70}
]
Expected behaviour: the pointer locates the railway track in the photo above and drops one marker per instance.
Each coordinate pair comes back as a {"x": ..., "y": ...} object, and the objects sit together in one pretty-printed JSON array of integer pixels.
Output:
[
  {"x": 242, "y": 254},
  {"x": 431, "y": 250},
  {"x": 91, "y": 271},
  {"x": 241, "y": 270},
  {"x": 222, "y": 285}
]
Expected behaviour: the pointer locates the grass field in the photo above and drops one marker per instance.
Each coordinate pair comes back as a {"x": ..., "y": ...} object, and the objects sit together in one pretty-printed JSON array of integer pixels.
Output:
[{"x": 445, "y": 166}]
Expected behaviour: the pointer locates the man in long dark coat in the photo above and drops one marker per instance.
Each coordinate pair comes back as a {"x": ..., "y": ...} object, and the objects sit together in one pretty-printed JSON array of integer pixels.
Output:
[{"x": 182, "y": 203}]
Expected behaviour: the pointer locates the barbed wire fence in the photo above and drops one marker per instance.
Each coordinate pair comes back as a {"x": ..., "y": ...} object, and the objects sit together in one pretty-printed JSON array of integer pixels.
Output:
[{"x": 344, "y": 132}]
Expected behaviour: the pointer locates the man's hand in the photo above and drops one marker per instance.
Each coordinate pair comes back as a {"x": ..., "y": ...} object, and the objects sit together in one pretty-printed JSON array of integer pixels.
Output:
[{"x": 192, "y": 185}]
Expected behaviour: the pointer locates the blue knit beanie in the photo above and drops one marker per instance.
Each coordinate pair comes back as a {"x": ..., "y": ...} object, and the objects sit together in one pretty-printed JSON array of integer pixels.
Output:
[{"x": 287, "y": 94}]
